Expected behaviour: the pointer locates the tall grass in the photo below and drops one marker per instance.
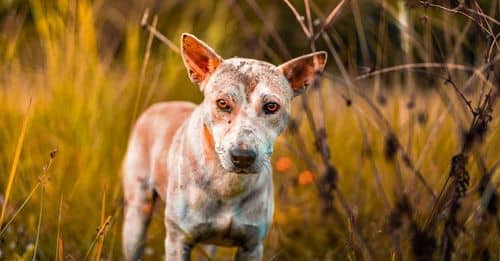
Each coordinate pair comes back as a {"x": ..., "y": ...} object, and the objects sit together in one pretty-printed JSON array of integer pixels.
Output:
[
  {"x": 87, "y": 89},
  {"x": 15, "y": 162}
]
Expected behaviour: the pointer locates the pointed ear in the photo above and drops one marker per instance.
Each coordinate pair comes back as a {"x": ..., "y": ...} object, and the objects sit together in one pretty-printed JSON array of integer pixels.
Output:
[
  {"x": 300, "y": 72},
  {"x": 199, "y": 59}
]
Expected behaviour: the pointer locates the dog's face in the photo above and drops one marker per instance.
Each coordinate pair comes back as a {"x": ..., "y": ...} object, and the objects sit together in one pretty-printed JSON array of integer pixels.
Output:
[{"x": 247, "y": 102}]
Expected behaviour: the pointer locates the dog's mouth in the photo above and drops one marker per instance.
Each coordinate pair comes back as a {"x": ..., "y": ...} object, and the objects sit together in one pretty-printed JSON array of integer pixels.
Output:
[
  {"x": 245, "y": 171},
  {"x": 250, "y": 170}
]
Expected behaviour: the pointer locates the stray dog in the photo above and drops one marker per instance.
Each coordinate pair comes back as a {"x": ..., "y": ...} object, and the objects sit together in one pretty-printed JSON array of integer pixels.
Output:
[{"x": 211, "y": 163}]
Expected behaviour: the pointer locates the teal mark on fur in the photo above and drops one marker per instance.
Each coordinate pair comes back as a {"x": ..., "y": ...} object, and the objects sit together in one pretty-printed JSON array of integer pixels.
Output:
[{"x": 262, "y": 228}]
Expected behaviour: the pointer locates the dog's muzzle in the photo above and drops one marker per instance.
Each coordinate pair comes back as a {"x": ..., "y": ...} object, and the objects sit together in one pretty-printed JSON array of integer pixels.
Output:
[{"x": 242, "y": 159}]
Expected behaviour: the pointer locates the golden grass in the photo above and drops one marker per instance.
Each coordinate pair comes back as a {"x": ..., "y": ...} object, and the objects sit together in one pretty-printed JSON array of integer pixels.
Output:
[
  {"x": 35, "y": 249},
  {"x": 15, "y": 162},
  {"x": 84, "y": 101},
  {"x": 100, "y": 242},
  {"x": 59, "y": 256}
]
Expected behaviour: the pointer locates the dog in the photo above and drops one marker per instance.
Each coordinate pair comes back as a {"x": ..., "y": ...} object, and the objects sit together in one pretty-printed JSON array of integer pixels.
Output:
[{"x": 210, "y": 163}]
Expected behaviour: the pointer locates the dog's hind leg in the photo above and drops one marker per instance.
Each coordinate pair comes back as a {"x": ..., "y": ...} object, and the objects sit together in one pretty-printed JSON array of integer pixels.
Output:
[{"x": 139, "y": 202}]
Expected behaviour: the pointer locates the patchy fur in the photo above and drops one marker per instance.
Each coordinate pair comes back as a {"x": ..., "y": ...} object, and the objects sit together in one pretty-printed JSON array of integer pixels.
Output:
[{"x": 186, "y": 154}]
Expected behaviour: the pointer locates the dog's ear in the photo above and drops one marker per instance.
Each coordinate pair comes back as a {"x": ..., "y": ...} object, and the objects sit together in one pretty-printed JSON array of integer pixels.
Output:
[
  {"x": 300, "y": 72},
  {"x": 199, "y": 59}
]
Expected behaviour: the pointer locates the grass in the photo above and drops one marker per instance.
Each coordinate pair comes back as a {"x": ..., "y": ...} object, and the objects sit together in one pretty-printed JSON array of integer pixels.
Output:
[
  {"x": 12, "y": 174},
  {"x": 86, "y": 90}
]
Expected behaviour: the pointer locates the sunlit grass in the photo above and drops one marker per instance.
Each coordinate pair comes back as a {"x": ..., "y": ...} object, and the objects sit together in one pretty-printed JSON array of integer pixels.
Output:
[{"x": 84, "y": 103}]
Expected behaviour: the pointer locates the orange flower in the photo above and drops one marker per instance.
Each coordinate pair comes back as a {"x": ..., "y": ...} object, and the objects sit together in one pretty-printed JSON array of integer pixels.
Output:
[
  {"x": 283, "y": 164},
  {"x": 306, "y": 177}
]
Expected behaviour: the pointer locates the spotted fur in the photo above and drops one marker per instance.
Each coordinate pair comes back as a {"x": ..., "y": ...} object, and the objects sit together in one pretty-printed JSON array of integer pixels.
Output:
[{"x": 180, "y": 152}]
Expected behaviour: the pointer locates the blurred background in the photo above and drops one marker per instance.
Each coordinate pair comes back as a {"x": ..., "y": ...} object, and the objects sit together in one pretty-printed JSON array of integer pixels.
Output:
[{"x": 393, "y": 154}]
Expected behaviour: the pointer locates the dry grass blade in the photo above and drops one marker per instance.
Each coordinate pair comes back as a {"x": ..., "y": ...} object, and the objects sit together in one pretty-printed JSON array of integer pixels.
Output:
[
  {"x": 282, "y": 46},
  {"x": 152, "y": 30},
  {"x": 30, "y": 195},
  {"x": 461, "y": 67},
  {"x": 363, "y": 244},
  {"x": 39, "y": 222},
  {"x": 41, "y": 179},
  {"x": 100, "y": 241},
  {"x": 333, "y": 14},
  {"x": 308, "y": 15},
  {"x": 486, "y": 30},
  {"x": 100, "y": 233},
  {"x": 145, "y": 62},
  {"x": 319, "y": 132},
  {"x": 59, "y": 243},
  {"x": 381, "y": 121},
  {"x": 492, "y": 45},
  {"x": 485, "y": 16},
  {"x": 15, "y": 162},
  {"x": 103, "y": 229}
]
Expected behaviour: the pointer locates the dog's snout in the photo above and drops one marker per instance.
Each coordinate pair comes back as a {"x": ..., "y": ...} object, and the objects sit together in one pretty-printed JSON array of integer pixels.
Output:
[{"x": 242, "y": 157}]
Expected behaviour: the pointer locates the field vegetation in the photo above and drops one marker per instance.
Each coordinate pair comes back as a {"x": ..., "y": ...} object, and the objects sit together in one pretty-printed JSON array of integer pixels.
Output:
[{"x": 393, "y": 153}]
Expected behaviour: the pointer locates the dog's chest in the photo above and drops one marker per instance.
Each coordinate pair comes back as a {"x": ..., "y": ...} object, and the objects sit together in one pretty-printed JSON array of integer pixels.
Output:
[
  {"x": 231, "y": 224},
  {"x": 230, "y": 230},
  {"x": 210, "y": 219}
]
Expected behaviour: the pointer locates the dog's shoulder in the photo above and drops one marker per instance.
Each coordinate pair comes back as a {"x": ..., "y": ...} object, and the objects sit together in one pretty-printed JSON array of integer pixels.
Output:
[
  {"x": 165, "y": 114},
  {"x": 169, "y": 108},
  {"x": 158, "y": 124}
]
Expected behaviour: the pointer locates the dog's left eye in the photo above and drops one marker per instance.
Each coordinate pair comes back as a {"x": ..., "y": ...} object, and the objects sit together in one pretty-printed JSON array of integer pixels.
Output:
[
  {"x": 223, "y": 105},
  {"x": 271, "y": 107}
]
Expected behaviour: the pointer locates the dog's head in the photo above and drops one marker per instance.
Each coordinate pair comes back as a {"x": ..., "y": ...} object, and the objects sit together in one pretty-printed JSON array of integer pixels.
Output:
[{"x": 247, "y": 102}]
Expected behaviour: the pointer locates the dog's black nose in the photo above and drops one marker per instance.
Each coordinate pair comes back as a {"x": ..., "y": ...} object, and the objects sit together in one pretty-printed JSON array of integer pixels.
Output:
[{"x": 242, "y": 158}]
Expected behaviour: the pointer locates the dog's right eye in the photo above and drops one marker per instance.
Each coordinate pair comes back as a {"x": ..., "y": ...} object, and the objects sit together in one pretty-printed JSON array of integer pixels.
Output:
[{"x": 223, "y": 105}]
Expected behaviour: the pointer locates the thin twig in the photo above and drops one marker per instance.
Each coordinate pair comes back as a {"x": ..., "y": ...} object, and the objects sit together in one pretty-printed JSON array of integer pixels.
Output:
[
  {"x": 299, "y": 19},
  {"x": 308, "y": 15},
  {"x": 145, "y": 62},
  {"x": 414, "y": 66},
  {"x": 100, "y": 233},
  {"x": 426, "y": 3},
  {"x": 21, "y": 207},
  {"x": 59, "y": 247},
  {"x": 41, "y": 179},
  {"x": 322, "y": 145},
  {"x": 366, "y": 249},
  {"x": 282, "y": 47},
  {"x": 157, "y": 34},
  {"x": 485, "y": 16},
  {"x": 35, "y": 250},
  {"x": 476, "y": 72},
  {"x": 329, "y": 19}
]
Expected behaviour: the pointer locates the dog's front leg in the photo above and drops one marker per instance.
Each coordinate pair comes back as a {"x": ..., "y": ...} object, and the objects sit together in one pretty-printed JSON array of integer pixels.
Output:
[
  {"x": 251, "y": 254},
  {"x": 176, "y": 247}
]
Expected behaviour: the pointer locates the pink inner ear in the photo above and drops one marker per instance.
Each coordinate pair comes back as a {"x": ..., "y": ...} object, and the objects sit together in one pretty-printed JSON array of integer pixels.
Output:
[
  {"x": 197, "y": 67},
  {"x": 200, "y": 60},
  {"x": 301, "y": 71},
  {"x": 300, "y": 75}
]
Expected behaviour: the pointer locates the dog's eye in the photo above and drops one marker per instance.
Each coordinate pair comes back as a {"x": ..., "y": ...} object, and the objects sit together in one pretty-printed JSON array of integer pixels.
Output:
[
  {"x": 223, "y": 105},
  {"x": 271, "y": 107}
]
